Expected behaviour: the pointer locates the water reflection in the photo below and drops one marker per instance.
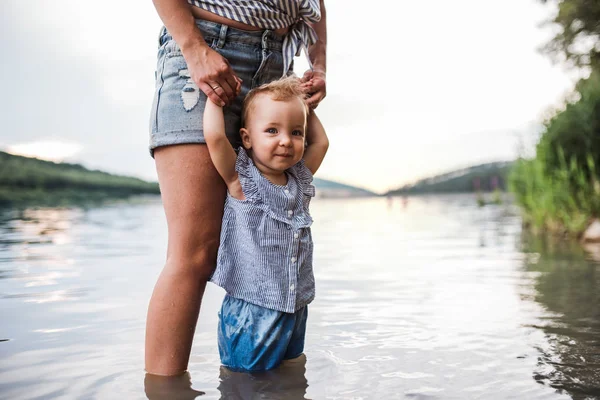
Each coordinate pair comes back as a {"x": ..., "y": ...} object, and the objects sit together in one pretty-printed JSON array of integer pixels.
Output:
[
  {"x": 33, "y": 249},
  {"x": 170, "y": 387},
  {"x": 288, "y": 382},
  {"x": 567, "y": 284}
]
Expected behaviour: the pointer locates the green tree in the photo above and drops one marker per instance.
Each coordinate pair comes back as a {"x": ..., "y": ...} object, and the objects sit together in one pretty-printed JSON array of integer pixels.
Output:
[
  {"x": 575, "y": 130},
  {"x": 577, "y": 41}
]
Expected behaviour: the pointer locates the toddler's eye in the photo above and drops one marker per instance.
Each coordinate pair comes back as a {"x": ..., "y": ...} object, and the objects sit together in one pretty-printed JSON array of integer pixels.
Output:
[
  {"x": 272, "y": 130},
  {"x": 298, "y": 133}
]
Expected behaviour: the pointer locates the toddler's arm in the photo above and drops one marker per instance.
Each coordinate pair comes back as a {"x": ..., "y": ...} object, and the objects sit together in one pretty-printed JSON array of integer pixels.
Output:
[
  {"x": 221, "y": 153},
  {"x": 317, "y": 143}
]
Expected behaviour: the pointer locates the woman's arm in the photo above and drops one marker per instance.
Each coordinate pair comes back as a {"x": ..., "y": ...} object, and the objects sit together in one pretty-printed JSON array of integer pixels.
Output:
[
  {"x": 318, "y": 51},
  {"x": 315, "y": 79},
  {"x": 317, "y": 143},
  {"x": 221, "y": 153},
  {"x": 209, "y": 70}
]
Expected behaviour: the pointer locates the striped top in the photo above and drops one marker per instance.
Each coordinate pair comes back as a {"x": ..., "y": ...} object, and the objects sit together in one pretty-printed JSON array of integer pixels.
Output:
[
  {"x": 273, "y": 14},
  {"x": 265, "y": 254}
]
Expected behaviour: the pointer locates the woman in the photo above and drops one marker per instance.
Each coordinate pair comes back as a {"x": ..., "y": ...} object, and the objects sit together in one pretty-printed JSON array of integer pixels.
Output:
[{"x": 211, "y": 50}]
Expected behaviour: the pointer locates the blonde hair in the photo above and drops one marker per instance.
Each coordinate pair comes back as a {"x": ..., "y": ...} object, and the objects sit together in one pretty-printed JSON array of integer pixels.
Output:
[{"x": 283, "y": 89}]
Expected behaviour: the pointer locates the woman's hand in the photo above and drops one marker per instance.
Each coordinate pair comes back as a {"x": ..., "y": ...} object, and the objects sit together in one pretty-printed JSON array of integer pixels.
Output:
[
  {"x": 213, "y": 75},
  {"x": 314, "y": 85}
]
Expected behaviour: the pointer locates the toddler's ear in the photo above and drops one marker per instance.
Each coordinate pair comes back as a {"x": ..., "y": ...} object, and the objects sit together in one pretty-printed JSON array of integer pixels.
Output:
[{"x": 245, "y": 139}]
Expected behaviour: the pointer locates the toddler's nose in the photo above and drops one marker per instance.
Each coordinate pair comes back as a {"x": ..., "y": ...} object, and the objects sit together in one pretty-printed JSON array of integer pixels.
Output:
[{"x": 286, "y": 140}]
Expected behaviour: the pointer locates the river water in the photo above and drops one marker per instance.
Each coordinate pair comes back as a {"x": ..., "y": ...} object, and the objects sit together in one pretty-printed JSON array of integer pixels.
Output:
[{"x": 433, "y": 299}]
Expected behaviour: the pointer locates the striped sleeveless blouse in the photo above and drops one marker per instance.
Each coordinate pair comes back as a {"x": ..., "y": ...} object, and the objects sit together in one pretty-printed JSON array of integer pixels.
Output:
[
  {"x": 273, "y": 14},
  {"x": 266, "y": 249}
]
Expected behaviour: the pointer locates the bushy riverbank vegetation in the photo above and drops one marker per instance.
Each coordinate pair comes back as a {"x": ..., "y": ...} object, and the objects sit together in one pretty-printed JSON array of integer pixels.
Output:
[
  {"x": 25, "y": 180},
  {"x": 559, "y": 189}
]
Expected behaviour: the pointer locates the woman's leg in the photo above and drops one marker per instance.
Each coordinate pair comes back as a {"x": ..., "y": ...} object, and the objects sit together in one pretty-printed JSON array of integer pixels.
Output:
[{"x": 193, "y": 195}]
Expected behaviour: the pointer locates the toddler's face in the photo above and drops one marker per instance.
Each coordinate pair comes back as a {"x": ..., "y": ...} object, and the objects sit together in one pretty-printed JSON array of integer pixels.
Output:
[{"x": 275, "y": 131}]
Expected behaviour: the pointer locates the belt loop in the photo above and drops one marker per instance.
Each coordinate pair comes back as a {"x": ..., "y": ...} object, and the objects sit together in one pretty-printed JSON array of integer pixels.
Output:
[
  {"x": 264, "y": 41},
  {"x": 222, "y": 36}
]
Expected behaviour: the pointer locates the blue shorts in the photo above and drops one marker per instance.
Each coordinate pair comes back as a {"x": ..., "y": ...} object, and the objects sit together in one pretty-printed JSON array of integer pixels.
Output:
[
  {"x": 178, "y": 105},
  {"x": 253, "y": 338}
]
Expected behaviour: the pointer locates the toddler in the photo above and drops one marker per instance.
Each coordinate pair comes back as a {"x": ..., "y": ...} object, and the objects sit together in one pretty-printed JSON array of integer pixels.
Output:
[{"x": 265, "y": 255}]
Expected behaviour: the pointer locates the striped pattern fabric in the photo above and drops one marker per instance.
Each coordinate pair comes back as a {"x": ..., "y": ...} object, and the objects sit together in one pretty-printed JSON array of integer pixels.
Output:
[
  {"x": 266, "y": 248},
  {"x": 273, "y": 14}
]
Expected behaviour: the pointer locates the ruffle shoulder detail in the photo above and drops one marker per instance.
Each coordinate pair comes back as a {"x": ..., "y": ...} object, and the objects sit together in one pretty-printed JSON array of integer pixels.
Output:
[
  {"x": 304, "y": 177},
  {"x": 246, "y": 175}
]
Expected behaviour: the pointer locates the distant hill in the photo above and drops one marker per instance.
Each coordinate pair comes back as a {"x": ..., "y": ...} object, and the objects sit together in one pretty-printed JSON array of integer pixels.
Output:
[
  {"x": 484, "y": 177},
  {"x": 25, "y": 180},
  {"x": 328, "y": 189}
]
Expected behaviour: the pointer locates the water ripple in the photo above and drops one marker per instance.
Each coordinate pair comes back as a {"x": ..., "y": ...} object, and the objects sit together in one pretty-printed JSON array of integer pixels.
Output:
[{"x": 439, "y": 300}]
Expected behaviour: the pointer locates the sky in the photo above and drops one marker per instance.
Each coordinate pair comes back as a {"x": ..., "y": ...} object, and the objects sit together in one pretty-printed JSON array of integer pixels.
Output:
[{"x": 413, "y": 88}]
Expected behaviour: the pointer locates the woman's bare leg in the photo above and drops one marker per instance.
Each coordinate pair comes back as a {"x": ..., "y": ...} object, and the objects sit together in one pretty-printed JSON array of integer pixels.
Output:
[{"x": 193, "y": 195}]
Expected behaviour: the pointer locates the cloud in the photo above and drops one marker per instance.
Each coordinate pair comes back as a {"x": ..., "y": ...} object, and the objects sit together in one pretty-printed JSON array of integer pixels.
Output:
[
  {"x": 57, "y": 151},
  {"x": 73, "y": 76}
]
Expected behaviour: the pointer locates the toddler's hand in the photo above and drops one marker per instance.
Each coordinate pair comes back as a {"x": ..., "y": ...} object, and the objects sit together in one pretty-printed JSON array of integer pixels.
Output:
[{"x": 314, "y": 85}]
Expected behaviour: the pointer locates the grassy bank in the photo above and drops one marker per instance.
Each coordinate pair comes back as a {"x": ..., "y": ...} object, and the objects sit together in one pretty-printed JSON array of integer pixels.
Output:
[
  {"x": 559, "y": 189},
  {"x": 563, "y": 200},
  {"x": 25, "y": 181}
]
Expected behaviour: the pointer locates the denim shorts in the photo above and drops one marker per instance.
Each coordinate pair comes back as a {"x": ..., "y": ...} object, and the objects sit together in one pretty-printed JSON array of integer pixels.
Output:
[
  {"x": 178, "y": 105},
  {"x": 253, "y": 338}
]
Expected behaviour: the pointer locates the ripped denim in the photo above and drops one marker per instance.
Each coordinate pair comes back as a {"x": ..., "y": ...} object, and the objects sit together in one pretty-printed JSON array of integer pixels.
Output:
[{"x": 178, "y": 105}]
